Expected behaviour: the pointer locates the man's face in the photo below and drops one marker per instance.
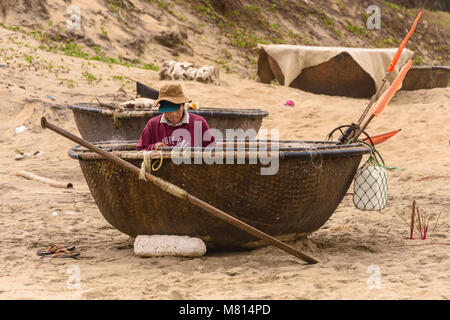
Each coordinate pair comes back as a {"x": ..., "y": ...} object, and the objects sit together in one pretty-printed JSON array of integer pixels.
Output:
[{"x": 175, "y": 116}]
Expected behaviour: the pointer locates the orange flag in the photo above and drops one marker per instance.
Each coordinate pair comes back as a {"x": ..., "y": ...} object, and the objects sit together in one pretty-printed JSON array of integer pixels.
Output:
[
  {"x": 389, "y": 93},
  {"x": 403, "y": 44},
  {"x": 379, "y": 138}
]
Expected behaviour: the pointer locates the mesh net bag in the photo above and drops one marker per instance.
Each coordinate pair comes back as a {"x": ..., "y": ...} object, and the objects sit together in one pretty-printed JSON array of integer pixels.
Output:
[{"x": 370, "y": 186}]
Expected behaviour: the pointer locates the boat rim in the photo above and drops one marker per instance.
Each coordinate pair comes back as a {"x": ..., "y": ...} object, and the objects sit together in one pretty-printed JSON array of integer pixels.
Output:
[
  {"x": 427, "y": 67},
  {"x": 207, "y": 111},
  {"x": 324, "y": 149}
]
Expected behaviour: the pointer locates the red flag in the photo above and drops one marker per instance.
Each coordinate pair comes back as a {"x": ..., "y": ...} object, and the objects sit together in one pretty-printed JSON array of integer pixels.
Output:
[
  {"x": 403, "y": 44},
  {"x": 389, "y": 93},
  {"x": 379, "y": 138}
]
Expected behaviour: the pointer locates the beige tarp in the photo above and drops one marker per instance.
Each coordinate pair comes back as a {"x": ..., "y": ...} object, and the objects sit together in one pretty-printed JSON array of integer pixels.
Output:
[{"x": 293, "y": 59}]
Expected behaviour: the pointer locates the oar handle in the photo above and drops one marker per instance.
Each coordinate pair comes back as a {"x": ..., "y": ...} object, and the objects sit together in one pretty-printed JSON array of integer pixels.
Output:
[
  {"x": 166, "y": 186},
  {"x": 181, "y": 193}
]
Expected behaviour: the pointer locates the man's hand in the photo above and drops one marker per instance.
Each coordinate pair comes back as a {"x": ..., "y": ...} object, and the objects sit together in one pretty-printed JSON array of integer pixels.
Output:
[{"x": 159, "y": 145}]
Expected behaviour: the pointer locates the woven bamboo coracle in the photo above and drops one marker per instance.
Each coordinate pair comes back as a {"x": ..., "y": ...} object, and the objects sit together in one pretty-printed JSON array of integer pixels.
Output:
[
  {"x": 97, "y": 123},
  {"x": 311, "y": 181}
]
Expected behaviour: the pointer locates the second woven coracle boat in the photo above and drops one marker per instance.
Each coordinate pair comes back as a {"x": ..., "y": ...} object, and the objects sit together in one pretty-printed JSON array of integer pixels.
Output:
[
  {"x": 97, "y": 123},
  {"x": 426, "y": 77},
  {"x": 311, "y": 181},
  {"x": 341, "y": 76}
]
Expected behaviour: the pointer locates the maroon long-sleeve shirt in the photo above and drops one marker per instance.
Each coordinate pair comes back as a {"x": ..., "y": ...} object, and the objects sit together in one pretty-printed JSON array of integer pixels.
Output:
[{"x": 192, "y": 130}]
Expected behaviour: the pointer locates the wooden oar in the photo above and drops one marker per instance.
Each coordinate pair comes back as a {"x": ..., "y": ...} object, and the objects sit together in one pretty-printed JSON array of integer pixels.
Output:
[{"x": 181, "y": 193}]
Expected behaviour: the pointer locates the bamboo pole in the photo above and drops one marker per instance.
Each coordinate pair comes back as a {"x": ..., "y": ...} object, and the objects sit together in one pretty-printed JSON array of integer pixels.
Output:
[
  {"x": 420, "y": 223},
  {"x": 182, "y": 194},
  {"x": 373, "y": 99},
  {"x": 435, "y": 224},
  {"x": 412, "y": 219},
  {"x": 386, "y": 97},
  {"x": 353, "y": 135},
  {"x": 53, "y": 183}
]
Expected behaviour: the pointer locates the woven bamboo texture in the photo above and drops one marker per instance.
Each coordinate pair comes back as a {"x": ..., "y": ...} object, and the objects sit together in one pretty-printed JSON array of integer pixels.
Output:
[
  {"x": 426, "y": 77},
  {"x": 97, "y": 124},
  {"x": 341, "y": 76},
  {"x": 295, "y": 202}
]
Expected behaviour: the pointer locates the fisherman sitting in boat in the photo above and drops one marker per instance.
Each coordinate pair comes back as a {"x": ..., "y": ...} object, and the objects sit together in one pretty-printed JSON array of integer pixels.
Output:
[{"x": 175, "y": 126}]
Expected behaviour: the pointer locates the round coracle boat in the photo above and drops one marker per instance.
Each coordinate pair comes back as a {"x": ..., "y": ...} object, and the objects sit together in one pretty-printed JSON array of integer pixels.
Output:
[
  {"x": 97, "y": 123},
  {"x": 339, "y": 76},
  {"x": 426, "y": 77},
  {"x": 307, "y": 182},
  {"x": 343, "y": 76}
]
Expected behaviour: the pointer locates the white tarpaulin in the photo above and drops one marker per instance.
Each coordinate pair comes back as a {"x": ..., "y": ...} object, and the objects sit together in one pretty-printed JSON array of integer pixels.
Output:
[{"x": 293, "y": 59}]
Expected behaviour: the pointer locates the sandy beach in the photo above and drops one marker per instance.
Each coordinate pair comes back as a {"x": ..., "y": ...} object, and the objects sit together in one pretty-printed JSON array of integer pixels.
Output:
[{"x": 354, "y": 247}]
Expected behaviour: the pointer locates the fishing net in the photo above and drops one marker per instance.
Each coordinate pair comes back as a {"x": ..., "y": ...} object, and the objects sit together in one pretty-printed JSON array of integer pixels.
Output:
[{"x": 371, "y": 185}]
